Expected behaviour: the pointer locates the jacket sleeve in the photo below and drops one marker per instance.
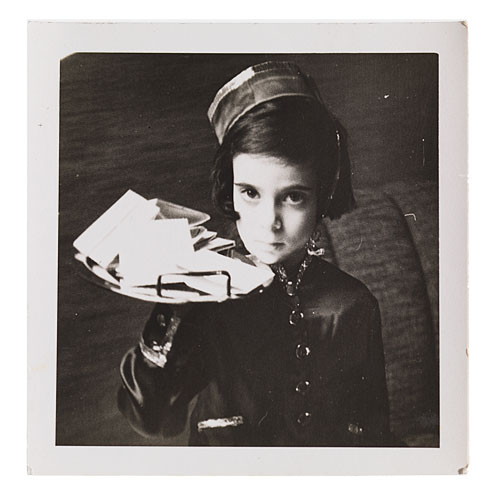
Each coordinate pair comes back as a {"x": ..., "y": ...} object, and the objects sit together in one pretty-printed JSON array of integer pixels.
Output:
[
  {"x": 375, "y": 388},
  {"x": 155, "y": 399},
  {"x": 358, "y": 387}
]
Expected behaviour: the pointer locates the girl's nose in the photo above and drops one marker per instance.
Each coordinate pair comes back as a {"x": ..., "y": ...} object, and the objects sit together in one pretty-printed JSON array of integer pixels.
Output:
[
  {"x": 271, "y": 217},
  {"x": 277, "y": 224}
]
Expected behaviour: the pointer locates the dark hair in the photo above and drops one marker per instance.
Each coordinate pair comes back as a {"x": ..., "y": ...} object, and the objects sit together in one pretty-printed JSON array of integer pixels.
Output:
[{"x": 295, "y": 129}]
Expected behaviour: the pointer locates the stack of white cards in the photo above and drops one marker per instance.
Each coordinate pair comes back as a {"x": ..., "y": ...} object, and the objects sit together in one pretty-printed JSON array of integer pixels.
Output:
[{"x": 134, "y": 244}]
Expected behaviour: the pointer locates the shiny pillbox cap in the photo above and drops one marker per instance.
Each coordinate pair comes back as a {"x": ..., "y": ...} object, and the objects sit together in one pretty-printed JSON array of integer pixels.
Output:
[{"x": 253, "y": 86}]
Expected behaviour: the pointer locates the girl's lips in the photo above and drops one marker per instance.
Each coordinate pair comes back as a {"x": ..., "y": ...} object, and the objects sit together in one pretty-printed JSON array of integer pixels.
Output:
[{"x": 276, "y": 244}]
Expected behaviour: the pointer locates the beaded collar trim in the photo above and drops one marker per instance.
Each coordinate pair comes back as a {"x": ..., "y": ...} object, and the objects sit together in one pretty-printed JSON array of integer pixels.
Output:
[{"x": 291, "y": 287}]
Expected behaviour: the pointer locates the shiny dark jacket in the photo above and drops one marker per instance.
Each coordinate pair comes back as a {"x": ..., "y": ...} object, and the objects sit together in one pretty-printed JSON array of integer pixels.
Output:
[{"x": 239, "y": 359}]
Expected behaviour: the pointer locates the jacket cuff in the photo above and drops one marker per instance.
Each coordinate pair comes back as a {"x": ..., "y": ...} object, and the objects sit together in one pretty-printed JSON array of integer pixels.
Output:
[{"x": 155, "y": 349}]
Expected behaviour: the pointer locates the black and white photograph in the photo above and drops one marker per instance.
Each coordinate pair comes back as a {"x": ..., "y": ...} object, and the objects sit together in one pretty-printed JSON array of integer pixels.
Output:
[{"x": 249, "y": 253}]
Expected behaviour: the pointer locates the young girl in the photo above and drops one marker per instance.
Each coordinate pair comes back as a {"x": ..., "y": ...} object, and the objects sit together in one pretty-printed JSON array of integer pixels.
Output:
[{"x": 300, "y": 364}]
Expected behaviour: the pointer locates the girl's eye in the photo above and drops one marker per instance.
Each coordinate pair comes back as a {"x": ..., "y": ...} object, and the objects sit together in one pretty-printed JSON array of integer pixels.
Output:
[
  {"x": 295, "y": 197},
  {"x": 250, "y": 193}
]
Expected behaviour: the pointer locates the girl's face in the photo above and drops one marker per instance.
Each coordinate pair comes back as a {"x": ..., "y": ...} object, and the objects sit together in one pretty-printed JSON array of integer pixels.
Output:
[{"x": 277, "y": 205}]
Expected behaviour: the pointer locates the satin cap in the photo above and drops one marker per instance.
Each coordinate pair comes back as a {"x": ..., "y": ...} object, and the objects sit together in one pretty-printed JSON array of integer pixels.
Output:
[{"x": 253, "y": 86}]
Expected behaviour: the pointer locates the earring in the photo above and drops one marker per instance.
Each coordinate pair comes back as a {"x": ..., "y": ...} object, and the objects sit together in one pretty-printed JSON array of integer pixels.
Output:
[{"x": 311, "y": 245}]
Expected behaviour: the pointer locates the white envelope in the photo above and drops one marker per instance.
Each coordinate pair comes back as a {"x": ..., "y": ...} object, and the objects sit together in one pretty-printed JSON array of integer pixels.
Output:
[
  {"x": 154, "y": 248},
  {"x": 102, "y": 239}
]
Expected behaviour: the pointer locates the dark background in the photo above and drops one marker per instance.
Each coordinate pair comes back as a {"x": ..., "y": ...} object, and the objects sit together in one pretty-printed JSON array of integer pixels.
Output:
[{"x": 139, "y": 121}]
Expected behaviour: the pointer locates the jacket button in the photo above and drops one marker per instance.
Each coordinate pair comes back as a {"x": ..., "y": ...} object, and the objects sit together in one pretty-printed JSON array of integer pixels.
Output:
[
  {"x": 295, "y": 316},
  {"x": 290, "y": 289},
  {"x": 355, "y": 429},
  {"x": 302, "y": 351},
  {"x": 302, "y": 387},
  {"x": 304, "y": 418}
]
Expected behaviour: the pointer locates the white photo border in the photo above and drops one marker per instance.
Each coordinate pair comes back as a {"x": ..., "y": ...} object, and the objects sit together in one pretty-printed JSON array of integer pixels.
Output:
[{"x": 48, "y": 43}]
